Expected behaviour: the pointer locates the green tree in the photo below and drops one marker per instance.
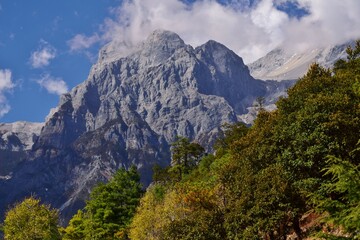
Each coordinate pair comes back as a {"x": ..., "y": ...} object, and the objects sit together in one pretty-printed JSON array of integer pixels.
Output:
[
  {"x": 228, "y": 135},
  {"x": 339, "y": 198},
  {"x": 201, "y": 218},
  {"x": 259, "y": 103},
  {"x": 112, "y": 205},
  {"x": 155, "y": 211},
  {"x": 185, "y": 155},
  {"x": 109, "y": 210},
  {"x": 32, "y": 221},
  {"x": 76, "y": 228}
]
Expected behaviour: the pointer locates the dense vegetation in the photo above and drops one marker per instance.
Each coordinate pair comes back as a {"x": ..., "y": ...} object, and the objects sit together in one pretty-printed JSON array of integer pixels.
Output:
[
  {"x": 294, "y": 172},
  {"x": 296, "y": 164}
]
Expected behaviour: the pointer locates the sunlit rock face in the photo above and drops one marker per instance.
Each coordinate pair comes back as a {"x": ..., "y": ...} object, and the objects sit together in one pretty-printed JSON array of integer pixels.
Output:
[{"x": 128, "y": 112}]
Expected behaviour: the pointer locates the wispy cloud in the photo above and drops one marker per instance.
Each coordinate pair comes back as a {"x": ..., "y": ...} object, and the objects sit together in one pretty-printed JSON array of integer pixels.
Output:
[
  {"x": 52, "y": 84},
  {"x": 6, "y": 84},
  {"x": 42, "y": 57},
  {"x": 250, "y": 31},
  {"x": 80, "y": 42}
]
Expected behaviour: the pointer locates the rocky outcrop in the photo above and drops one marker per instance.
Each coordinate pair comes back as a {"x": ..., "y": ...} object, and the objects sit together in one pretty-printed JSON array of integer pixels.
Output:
[{"x": 128, "y": 111}]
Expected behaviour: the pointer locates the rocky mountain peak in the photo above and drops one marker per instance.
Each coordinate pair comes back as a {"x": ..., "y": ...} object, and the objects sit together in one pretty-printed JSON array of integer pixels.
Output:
[
  {"x": 163, "y": 37},
  {"x": 219, "y": 54},
  {"x": 226, "y": 75},
  {"x": 157, "y": 47}
]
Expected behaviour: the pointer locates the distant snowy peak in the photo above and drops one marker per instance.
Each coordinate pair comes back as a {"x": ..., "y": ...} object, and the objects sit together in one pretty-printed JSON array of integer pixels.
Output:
[
  {"x": 282, "y": 65},
  {"x": 19, "y": 135}
]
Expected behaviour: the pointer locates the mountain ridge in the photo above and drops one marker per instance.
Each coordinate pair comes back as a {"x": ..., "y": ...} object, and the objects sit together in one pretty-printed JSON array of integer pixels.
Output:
[
  {"x": 281, "y": 64},
  {"x": 128, "y": 112}
]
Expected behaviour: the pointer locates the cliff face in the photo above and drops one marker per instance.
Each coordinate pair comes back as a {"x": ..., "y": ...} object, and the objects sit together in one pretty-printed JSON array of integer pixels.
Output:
[{"x": 128, "y": 111}]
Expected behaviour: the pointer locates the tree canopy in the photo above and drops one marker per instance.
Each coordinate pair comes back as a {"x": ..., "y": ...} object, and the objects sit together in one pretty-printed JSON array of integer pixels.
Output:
[
  {"x": 109, "y": 210},
  {"x": 31, "y": 220},
  {"x": 263, "y": 180}
]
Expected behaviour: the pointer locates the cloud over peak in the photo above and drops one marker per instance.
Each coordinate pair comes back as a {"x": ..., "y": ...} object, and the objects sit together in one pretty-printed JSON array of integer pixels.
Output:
[{"x": 250, "y": 28}]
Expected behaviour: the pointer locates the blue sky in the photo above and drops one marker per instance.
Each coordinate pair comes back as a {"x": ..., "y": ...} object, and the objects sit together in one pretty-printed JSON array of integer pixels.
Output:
[
  {"x": 48, "y": 46},
  {"x": 27, "y": 27}
]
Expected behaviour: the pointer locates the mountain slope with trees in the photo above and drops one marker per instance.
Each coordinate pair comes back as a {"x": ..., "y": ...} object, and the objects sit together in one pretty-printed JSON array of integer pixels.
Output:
[
  {"x": 128, "y": 112},
  {"x": 302, "y": 158},
  {"x": 294, "y": 173}
]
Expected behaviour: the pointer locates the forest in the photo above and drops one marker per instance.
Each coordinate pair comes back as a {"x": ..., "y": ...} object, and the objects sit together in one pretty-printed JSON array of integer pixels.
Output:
[{"x": 294, "y": 174}]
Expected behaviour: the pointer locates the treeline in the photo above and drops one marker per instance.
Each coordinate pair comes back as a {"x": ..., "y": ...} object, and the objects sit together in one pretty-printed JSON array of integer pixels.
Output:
[{"x": 294, "y": 172}]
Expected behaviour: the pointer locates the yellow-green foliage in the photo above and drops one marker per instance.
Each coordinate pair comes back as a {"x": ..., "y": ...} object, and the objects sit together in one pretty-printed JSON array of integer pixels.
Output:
[
  {"x": 165, "y": 216},
  {"x": 156, "y": 210},
  {"x": 31, "y": 220},
  {"x": 76, "y": 227}
]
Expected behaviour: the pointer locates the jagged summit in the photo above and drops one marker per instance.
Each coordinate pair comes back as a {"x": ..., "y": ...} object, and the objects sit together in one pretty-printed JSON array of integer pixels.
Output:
[
  {"x": 159, "y": 47},
  {"x": 220, "y": 56},
  {"x": 163, "y": 37},
  {"x": 226, "y": 75},
  {"x": 160, "y": 44}
]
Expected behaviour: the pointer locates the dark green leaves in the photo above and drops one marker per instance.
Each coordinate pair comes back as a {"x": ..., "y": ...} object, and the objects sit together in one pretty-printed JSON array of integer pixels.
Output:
[{"x": 110, "y": 208}]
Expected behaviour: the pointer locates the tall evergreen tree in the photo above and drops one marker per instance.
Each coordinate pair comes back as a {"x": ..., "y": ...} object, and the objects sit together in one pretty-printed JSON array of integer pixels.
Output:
[{"x": 110, "y": 209}]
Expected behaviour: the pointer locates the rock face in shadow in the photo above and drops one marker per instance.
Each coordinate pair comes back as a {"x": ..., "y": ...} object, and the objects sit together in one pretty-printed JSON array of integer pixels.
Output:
[{"x": 128, "y": 112}]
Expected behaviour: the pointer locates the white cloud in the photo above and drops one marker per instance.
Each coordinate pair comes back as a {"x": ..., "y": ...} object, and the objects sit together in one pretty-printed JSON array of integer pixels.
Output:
[
  {"x": 6, "y": 85},
  {"x": 80, "y": 42},
  {"x": 41, "y": 57},
  {"x": 329, "y": 22},
  {"x": 251, "y": 33},
  {"x": 53, "y": 85}
]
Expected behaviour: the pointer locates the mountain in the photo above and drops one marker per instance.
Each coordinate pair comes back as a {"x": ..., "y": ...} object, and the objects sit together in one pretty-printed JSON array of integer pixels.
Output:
[
  {"x": 280, "y": 64},
  {"x": 128, "y": 111},
  {"x": 16, "y": 139}
]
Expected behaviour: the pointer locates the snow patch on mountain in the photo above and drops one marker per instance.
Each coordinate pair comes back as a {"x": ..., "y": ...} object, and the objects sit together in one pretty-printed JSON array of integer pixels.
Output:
[
  {"x": 280, "y": 64},
  {"x": 24, "y": 132}
]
